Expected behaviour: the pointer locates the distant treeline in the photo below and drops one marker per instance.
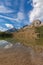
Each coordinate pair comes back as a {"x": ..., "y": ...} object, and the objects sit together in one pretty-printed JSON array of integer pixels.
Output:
[{"x": 5, "y": 35}]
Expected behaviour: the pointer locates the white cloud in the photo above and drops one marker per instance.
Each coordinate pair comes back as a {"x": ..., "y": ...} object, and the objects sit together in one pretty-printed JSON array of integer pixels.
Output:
[
  {"x": 1, "y": 16},
  {"x": 3, "y": 9},
  {"x": 37, "y": 12},
  {"x": 20, "y": 16},
  {"x": 9, "y": 25},
  {"x": 3, "y": 29}
]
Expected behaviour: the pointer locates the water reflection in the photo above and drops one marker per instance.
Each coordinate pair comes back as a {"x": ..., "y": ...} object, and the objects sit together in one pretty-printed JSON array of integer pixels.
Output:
[
  {"x": 5, "y": 44},
  {"x": 18, "y": 52}
]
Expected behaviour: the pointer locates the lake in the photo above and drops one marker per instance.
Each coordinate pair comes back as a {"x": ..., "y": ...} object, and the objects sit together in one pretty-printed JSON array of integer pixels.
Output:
[{"x": 18, "y": 54}]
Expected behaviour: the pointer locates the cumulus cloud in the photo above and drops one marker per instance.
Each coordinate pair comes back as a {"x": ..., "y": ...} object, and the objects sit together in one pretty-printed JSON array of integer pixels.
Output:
[
  {"x": 9, "y": 25},
  {"x": 37, "y": 12},
  {"x": 3, "y": 9}
]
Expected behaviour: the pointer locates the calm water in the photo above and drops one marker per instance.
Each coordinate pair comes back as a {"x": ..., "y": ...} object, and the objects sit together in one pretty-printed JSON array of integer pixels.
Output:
[
  {"x": 5, "y": 44},
  {"x": 18, "y": 54}
]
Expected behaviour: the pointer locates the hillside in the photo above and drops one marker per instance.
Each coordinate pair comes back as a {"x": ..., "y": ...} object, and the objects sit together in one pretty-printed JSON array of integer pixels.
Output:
[
  {"x": 26, "y": 35},
  {"x": 29, "y": 35}
]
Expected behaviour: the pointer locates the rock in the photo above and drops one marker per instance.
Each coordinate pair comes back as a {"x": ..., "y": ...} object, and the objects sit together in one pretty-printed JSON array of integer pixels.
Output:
[{"x": 36, "y": 23}]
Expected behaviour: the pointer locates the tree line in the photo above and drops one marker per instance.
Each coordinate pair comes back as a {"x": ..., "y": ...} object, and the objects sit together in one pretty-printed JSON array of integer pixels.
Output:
[{"x": 5, "y": 35}]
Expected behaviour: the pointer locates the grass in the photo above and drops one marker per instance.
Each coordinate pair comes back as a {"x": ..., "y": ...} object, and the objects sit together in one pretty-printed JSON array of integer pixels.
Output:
[
  {"x": 40, "y": 35},
  {"x": 29, "y": 36},
  {"x": 25, "y": 37}
]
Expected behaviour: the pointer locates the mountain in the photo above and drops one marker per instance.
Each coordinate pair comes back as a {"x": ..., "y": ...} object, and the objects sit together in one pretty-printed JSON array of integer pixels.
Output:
[{"x": 11, "y": 30}]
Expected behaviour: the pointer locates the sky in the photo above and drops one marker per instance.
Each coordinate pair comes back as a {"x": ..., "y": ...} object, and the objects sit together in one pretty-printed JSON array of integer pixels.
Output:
[{"x": 18, "y": 13}]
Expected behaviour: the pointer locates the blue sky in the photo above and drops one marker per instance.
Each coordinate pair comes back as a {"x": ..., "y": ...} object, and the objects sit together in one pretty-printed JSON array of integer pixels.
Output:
[{"x": 17, "y": 13}]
